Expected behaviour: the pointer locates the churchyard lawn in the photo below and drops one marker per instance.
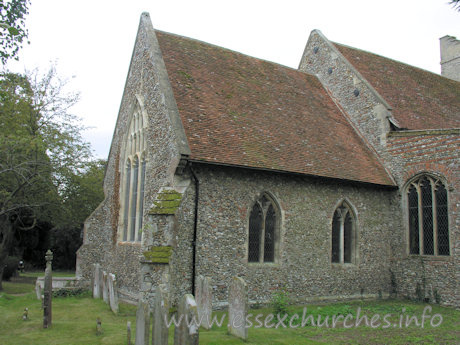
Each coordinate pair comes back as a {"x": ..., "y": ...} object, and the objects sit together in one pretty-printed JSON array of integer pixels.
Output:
[{"x": 74, "y": 322}]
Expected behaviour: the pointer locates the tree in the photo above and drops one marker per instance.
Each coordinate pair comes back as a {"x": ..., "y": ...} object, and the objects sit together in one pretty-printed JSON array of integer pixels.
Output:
[
  {"x": 41, "y": 149},
  {"x": 83, "y": 194},
  {"x": 12, "y": 27},
  {"x": 455, "y": 4}
]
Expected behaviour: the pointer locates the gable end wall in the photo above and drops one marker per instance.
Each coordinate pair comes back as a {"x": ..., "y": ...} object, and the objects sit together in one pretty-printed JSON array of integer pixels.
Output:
[
  {"x": 367, "y": 111},
  {"x": 146, "y": 81},
  {"x": 404, "y": 154}
]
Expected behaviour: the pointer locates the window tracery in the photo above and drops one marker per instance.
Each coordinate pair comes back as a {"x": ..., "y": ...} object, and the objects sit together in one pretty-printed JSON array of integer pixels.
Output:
[{"x": 133, "y": 177}]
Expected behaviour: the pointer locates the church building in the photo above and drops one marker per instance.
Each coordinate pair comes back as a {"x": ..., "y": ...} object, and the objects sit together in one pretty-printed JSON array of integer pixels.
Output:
[{"x": 336, "y": 180}]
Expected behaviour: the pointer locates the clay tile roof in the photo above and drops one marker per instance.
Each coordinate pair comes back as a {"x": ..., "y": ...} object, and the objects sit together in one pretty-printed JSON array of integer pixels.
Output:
[
  {"x": 242, "y": 111},
  {"x": 419, "y": 99}
]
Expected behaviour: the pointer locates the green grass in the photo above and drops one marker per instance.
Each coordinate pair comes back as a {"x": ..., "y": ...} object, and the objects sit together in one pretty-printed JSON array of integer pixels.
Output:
[
  {"x": 446, "y": 333},
  {"x": 12, "y": 287},
  {"x": 42, "y": 274},
  {"x": 74, "y": 322}
]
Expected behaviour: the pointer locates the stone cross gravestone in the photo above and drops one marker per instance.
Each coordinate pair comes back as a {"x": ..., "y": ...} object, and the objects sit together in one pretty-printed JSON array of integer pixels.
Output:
[
  {"x": 48, "y": 291},
  {"x": 160, "y": 311},
  {"x": 142, "y": 323},
  {"x": 203, "y": 296},
  {"x": 113, "y": 292},
  {"x": 238, "y": 308},
  {"x": 187, "y": 332}
]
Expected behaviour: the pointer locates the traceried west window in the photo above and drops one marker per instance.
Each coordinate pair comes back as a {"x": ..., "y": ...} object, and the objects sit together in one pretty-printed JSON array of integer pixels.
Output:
[
  {"x": 343, "y": 234},
  {"x": 428, "y": 216},
  {"x": 264, "y": 226},
  {"x": 133, "y": 177}
]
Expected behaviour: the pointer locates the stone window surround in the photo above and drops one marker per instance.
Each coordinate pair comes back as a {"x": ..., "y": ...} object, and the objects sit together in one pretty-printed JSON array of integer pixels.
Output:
[
  {"x": 134, "y": 150},
  {"x": 345, "y": 203},
  {"x": 278, "y": 232},
  {"x": 405, "y": 206}
]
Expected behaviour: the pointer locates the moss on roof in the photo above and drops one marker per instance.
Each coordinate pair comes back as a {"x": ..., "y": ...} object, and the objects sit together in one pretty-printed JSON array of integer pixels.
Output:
[{"x": 242, "y": 111}]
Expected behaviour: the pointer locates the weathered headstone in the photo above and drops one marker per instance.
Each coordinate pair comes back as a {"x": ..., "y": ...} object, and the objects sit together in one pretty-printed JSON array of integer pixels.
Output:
[
  {"x": 105, "y": 287},
  {"x": 97, "y": 280},
  {"x": 25, "y": 314},
  {"x": 113, "y": 292},
  {"x": 187, "y": 332},
  {"x": 48, "y": 293},
  {"x": 238, "y": 308},
  {"x": 160, "y": 311},
  {"x": 98, "y": 326},
  {"x": 204, "y": 301},
  {"x": 38, "y": 290},
  {"x": 142, "y": 323},
  {"x": 128, "y": 331}
]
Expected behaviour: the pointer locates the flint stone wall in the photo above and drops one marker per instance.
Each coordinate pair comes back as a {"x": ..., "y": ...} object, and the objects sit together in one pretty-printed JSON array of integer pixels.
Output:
[
  {"x": 405, "y": 154},
  {"x": 307, "y": 206},
  {"x": 145, "y": 85}
]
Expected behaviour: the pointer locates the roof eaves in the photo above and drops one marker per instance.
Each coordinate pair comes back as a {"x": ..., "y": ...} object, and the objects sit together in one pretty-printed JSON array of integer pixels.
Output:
[{"x": 199, "y": 161}]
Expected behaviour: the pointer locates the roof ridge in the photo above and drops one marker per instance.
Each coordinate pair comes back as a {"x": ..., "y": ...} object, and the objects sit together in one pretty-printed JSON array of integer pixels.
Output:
[
  {"x": 232, "y": 51},
  {"x": 262, "y": 115},
  {"x": 392, "y": 59}
]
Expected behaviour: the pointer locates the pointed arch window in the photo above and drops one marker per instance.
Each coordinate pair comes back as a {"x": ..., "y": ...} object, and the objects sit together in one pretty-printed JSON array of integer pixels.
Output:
[
  {"x": 126, "y": 201},
  {"x": 428, "y": 220},
  {"x": 343, "y": 234},
  {"x": 134, "y": 200},
  {"x": 133, "y": 175},
  {"x": 141, "y": 198},
  {"x": 263, "y": 231}
]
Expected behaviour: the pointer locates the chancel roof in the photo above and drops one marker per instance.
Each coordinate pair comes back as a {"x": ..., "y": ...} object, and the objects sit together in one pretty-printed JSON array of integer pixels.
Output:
[
  {"x": 419, "y": 99},
  {"x": 242, "y": 111}
]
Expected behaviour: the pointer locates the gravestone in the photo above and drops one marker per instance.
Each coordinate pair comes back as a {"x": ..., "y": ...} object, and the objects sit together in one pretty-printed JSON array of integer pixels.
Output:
[
  {"x": 38, "y": 290},
  {"x": 204, "y": 301},
  {"x": 98, "y": 326},
  {"x": 25, "y": 314},
  {"x": 142, "y": 323},
  {"x": 238, "y": 308},
  {"x": 113, "y": 292},
  {"x": 128, "y": 331},
  {"x": 160, "y": 311},
  {"x": 97, "y": 281},
  {"x": 48, "y": 293},
  {"x": 105, "y": 287},
  {"x": 187, "y": 332}
]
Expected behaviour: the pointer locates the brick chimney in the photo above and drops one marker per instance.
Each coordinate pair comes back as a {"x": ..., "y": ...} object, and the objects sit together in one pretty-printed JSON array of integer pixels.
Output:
[{"x": 450, "y": 57}]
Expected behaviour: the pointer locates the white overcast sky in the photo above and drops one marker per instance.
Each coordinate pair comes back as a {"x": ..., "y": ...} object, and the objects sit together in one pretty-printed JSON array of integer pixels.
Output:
[{"x": 93, "y": 39}]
